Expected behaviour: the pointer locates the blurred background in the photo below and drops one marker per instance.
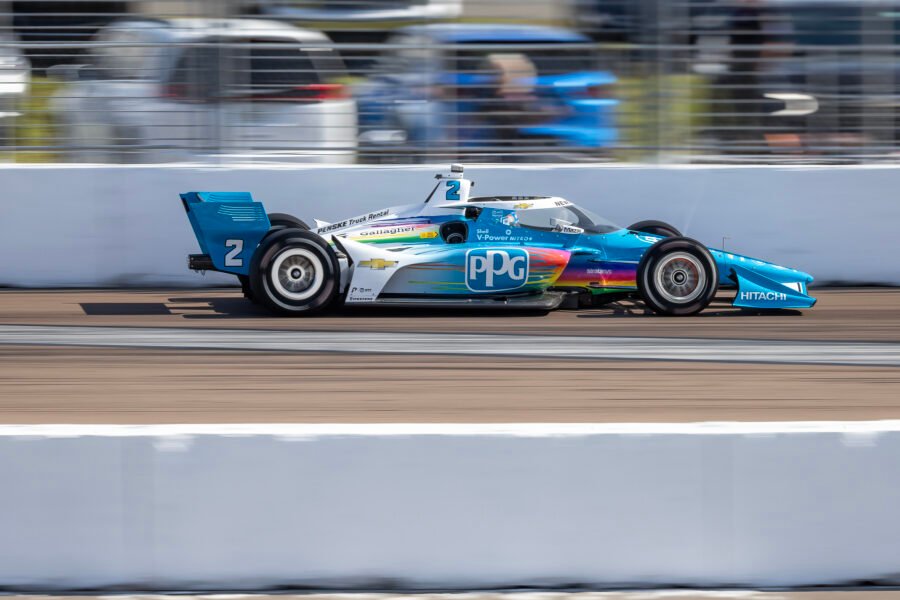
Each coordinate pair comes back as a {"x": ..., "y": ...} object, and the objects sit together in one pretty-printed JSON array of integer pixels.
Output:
[{"x": 409, "y": 81}]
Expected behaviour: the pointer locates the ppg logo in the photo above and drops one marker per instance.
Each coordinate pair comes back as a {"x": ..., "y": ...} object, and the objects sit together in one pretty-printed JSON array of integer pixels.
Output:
[{"x": 496, "y": 270}]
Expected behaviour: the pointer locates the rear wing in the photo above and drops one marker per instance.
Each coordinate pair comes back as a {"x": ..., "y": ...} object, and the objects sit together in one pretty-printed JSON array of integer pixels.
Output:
[{"x": 228, "y": 226}]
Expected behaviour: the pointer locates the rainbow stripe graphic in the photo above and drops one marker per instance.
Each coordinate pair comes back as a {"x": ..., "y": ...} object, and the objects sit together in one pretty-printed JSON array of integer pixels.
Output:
[
  {"x": 447, "y": 276},
  {"x": 599, "y": 274},
  {"x": 546, "y": 266}
]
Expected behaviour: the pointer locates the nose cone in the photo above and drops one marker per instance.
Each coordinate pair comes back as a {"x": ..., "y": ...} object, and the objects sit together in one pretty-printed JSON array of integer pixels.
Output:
[{"x": 784, "y": 274}]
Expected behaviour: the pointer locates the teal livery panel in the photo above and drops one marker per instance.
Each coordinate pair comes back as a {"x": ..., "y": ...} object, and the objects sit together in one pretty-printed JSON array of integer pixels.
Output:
[{"x": 228, "y": 227}]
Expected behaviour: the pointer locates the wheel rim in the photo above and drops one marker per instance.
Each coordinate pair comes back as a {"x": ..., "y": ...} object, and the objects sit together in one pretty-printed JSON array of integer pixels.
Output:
[
  {"x": 680, "y": 278},
  {"x": 297, "y": 274}
]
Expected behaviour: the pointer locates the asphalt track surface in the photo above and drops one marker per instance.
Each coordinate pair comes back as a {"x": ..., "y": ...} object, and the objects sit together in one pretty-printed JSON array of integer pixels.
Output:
[{"x": 209, "y": 356}]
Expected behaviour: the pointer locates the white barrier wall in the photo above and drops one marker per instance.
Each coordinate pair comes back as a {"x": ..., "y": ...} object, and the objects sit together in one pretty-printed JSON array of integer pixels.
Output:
[
  {"x": 467, "y": 506},
  {"x": 121, "y": 226}
]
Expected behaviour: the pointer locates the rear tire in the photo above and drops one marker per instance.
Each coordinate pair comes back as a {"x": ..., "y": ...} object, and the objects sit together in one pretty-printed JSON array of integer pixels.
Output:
[
  {"x": 246, "y": 289},
  {"x": 660, "y": 228},
  {"x": 277, "y": 222},
  {"x": 283, "y": 221},
  {"x": 294, "y": 273},
  {"x": 677, "y": 277}
]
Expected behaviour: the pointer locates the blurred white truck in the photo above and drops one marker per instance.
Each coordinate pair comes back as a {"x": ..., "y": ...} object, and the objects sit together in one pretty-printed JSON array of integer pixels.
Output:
[{"x": 190, "y": 89}]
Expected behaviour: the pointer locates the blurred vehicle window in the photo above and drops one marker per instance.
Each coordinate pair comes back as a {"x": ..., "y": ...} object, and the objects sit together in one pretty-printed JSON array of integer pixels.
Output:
[
  {"x": 843, "y": 25},
  {"x": 197, "y": 73},
  {"x": 238, "y": 68},
  {"x": 119, "y": 55},
  {"x": 56, "y": 27},
  {"x": 273, "y": 66}
]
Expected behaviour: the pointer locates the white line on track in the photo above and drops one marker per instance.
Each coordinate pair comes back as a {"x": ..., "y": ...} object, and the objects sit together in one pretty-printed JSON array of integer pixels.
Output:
[{"x": 565, "y": 347}]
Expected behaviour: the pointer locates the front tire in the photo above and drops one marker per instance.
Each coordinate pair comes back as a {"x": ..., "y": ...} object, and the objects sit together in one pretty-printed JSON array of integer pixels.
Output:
[
  {"x": 677, "y": 277},
  {"x": 295, "y": 272},
  {"x": 660, "y": 228}
]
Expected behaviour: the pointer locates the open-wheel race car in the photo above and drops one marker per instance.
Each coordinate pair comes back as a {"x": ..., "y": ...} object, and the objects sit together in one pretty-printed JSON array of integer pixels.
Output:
[{"x": 455, "y": 250}]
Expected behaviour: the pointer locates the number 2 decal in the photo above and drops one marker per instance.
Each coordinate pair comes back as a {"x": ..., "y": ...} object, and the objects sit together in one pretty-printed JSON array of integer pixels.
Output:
[
  {"x": 231, "y": 259},
  {"x": 453, "y": 189}
]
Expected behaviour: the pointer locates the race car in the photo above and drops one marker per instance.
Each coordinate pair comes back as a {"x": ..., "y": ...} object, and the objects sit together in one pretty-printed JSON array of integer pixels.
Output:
[{"x": 457, "y": 250}]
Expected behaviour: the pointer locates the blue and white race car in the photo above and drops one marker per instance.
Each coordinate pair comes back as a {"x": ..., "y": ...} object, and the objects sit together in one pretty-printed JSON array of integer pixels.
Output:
[{"x": 455, "y": 250}]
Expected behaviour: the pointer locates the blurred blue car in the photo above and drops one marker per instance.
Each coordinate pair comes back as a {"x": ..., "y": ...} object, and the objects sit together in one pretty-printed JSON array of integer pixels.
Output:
[{"x": 489, "y": 89}]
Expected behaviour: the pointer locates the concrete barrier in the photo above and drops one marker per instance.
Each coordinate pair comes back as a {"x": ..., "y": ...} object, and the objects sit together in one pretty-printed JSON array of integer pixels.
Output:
[
  {"x": 124, "y": 226},
  {"x": 429, "y": 506}
]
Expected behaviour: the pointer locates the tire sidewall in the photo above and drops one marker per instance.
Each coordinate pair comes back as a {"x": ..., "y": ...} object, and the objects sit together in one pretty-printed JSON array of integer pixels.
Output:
[
  {"x": 266, "y": 255},
  {"x": 647, "y": 283}
]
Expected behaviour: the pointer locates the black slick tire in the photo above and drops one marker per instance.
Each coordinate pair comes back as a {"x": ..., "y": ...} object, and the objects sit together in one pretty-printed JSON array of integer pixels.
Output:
[
  {"x": 284, "y": 221},
  {"x": 277, "y": 222},
  {"x": 294, "y": 273},
  {"x": 245, "y": 288},
  {"x": 677, "y": 277},
  {"x": 660, "y": 228}
]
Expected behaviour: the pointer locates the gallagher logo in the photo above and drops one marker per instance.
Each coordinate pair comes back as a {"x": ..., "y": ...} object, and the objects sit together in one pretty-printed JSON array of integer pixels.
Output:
[{"x": 496, "y": 270}]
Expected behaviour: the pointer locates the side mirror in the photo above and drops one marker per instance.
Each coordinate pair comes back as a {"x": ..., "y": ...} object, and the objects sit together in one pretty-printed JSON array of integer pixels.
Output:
[{"x": 563, "y": 226}]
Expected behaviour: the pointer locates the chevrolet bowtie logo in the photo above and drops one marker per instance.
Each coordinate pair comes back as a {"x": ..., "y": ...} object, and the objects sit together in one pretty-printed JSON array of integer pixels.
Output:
[{"x": 378, "y": 264}]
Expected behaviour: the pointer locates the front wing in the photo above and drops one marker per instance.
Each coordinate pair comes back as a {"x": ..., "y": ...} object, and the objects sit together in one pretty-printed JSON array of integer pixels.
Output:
[{"x": 756, "y": 290}]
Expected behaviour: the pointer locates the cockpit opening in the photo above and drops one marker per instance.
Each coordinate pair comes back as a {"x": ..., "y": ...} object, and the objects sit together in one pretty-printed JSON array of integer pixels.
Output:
[
  {"x": 551, "y": 218},
  {"x": 455, "y": 232}
]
